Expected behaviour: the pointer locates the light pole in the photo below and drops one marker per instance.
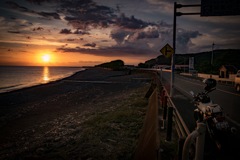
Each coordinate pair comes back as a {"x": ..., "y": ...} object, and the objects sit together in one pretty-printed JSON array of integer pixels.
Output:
[
  {"x": 212, "y": 60},
  {"x": 175, "y": 14}
]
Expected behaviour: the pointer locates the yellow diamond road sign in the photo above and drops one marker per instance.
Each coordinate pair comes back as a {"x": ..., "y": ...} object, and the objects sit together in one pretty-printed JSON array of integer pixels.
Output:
[{"x": 167, "y": 51}]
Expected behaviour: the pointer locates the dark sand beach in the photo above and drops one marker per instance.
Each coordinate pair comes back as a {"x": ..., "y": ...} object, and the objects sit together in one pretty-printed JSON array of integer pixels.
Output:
[{"x": 80, "y": 117}]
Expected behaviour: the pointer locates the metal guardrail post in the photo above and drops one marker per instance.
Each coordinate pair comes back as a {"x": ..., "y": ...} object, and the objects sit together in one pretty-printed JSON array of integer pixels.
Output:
[
  {"x": 169, "y": 124},
  {"x": 200, "y": 141},
  {"x": 181, "y": 141},
  {"x": 165, "y": 107},
  {"x": 200, "y": 131},
  {"x": 165, "y": 99},
  {"x": 163, "y": 95}
]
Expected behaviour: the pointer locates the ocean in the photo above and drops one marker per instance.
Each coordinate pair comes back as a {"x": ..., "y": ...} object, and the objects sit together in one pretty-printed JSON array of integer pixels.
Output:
[{"x": 15, "y": 77}]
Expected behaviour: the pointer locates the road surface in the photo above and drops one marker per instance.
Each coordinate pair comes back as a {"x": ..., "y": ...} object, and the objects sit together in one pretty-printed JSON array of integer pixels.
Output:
[{"x": 225, "y": 96}]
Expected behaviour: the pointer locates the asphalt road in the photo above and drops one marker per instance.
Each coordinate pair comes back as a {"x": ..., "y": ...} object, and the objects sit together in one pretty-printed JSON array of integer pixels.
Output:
[{"x": 225, "y": 96}]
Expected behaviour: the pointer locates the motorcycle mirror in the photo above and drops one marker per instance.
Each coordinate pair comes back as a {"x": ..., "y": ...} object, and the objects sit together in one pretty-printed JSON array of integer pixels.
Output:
[{"x": 192, "y": 93}]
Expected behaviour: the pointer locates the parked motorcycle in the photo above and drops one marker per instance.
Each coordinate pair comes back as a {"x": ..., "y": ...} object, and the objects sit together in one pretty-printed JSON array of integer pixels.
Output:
[{"x": 211, "y": 114}]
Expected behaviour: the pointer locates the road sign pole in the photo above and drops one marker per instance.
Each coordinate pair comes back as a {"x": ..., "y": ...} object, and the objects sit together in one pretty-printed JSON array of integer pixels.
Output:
[{"x": 174, "y": 49}]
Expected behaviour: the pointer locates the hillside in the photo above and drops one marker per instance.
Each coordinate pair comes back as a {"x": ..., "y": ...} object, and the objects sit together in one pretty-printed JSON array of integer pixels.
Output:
[
  {"x": 202, "y": 60},
  {"x": 115, "y": 65}
]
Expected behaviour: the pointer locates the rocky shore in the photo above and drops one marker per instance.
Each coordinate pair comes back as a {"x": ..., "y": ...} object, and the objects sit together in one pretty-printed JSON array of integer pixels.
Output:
[{"x": 94, "y": 114}]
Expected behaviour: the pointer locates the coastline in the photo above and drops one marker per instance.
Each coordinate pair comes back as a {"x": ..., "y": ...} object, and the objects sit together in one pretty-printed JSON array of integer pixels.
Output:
[
  {"x": 15, "y": 87},
  {"x": 50, "y": 114}
]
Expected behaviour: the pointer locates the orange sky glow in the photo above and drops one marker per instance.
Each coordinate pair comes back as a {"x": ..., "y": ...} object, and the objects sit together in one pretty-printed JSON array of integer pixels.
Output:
[{"x": 87, "y": 33}]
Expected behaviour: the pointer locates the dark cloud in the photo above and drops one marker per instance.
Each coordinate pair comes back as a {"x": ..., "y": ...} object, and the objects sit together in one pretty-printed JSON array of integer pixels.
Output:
[
  {"x": 38, "y": 29},
  {"x": 81, "y": 32},
  {"x": 65, "y": 31},
  {"x": 86, "y": 13},
  {"x": 20, "y": 8},
  {"x": 39, "y": 2},
  {"x": 90, "y": 45},
  {"x": 113, "y": 51},
  {"x": 49, "y": 15},
  {"x": 119, "y": 35},
  {"x": 15, "y": 32},
  {"x": 16, "y": 6},
  {"x": 71, "y": 40},
  {"x": 131, "y": 23},
  {"x": 183, "y": 36},
  {"x": 150, "y": 33},
  {"x": 104, "y": 41},
  {"x": 184, "y": 39}
]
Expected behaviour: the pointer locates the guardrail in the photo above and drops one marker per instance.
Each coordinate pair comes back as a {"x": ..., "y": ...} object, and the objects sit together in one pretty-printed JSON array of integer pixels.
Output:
[
  {"x": 168, "y": 107},
  {"x": 148, "y": 147},
  {"x": 170, "y": 115}
]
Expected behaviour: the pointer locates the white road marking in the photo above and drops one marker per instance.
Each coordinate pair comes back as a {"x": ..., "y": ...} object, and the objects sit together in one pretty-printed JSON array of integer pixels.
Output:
[
  {"x": 235, "y": 94},
  {"x": 230, "y": 119}
]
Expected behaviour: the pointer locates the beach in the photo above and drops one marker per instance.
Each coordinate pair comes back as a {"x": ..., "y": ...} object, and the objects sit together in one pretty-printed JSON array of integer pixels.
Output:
[{"x": 57, "y": 120}]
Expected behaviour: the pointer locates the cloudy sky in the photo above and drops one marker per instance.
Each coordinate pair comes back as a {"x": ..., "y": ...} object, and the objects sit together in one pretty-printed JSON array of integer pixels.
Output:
[{"x": 89, "y": 32}]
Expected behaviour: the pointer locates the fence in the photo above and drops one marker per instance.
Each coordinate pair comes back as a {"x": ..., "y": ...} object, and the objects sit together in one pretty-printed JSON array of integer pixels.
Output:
[
  {"x": 149, "y": 145},
  {"x": 186, "y": 139}
]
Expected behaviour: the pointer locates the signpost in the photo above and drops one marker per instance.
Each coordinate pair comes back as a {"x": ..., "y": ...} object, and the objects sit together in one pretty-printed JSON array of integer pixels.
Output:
[
  {"x": 208, "y": 8},
  {"x": 220, "y": 7},
  {"x": 191, "y": 63},
  {"x": 167, "y": 51}
]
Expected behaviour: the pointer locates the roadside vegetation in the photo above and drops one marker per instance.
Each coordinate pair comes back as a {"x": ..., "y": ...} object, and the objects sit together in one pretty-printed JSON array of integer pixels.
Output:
[{"x": 113, "y": 133}]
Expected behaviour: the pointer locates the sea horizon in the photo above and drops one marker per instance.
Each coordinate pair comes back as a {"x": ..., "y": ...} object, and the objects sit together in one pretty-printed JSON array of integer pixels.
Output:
[{"x": 18, "y": 77}]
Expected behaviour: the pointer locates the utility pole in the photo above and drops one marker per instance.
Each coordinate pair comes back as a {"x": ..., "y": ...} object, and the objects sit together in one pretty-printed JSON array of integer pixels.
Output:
[
  {"x": 174, "y": 48},
  {"x": 175, "y": 14}
]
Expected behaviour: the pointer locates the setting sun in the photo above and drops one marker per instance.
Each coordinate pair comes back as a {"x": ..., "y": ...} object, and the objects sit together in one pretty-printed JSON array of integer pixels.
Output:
[{"x": 46, "y": 58}]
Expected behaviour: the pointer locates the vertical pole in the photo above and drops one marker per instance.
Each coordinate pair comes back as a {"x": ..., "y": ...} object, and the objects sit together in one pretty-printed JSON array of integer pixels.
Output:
[
  {"x": 200, "y": 141},
  {"x": 161, "y": 75},
  {"x": 162, "y": 96},
  {"x": 174, "y": 48},
  {"x": 165, "y": 108},
  {"x": 212, "y": 61},
  {"x": 165, "y": 99},
  {"x": 169, "y": 124},
  {"x": 184, "y": 65},
  {"x": 181, "y": 141}
]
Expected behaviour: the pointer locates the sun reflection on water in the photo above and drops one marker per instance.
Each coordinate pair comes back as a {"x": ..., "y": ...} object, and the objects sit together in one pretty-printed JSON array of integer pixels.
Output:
[{"x": 46, "y": 74}]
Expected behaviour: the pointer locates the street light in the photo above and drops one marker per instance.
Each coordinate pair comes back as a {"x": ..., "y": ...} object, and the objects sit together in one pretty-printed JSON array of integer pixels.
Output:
[{"x": 212, "y": 60}]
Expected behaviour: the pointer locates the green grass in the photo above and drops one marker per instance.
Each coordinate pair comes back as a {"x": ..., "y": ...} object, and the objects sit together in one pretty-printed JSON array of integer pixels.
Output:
[{"x": 113, "y": 134}]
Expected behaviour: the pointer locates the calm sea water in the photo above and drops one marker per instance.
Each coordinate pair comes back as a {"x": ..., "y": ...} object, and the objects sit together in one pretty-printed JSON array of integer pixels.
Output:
[{"x": 13, "y": 78}]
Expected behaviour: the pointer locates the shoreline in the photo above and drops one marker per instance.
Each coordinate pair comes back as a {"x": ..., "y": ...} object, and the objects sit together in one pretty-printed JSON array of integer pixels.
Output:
[
  {"x": 35, "y": 84},
  {"x": 53, "y": 114}
]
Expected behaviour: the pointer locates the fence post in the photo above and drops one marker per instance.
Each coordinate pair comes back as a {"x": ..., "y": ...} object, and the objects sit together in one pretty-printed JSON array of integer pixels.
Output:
[
  {"x": 165, "y": 107},
  {"x": 200, "y": 131},
  {"x": 165, "y": 99},
  {"x": 163, "y": 95},
  {"x": 169, "y": 124},
  {"x": 161, "y": 88},
  {"x": 181, "y": 141},
  {"x": 200, "y": 141}
]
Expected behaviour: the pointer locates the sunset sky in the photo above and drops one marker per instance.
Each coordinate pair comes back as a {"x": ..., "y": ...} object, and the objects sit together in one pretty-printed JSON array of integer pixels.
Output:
[{"x": 90, "y": 32}]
